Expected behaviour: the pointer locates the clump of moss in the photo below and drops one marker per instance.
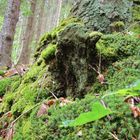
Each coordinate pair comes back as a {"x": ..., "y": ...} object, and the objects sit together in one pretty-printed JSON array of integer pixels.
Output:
[
  {"x": 4, "y": 85},
  {"x": 135, "y": 28},
  {"x": 1, "y": 72},
  {"x": 117, "y": 24},
  {"x": 123, "y": 73},
  {"x": 136, "y": 12},
  {"x": 118, "y": 46},
  {"x": 49, "y": 53},
  {"x": 92, "y": 34}
]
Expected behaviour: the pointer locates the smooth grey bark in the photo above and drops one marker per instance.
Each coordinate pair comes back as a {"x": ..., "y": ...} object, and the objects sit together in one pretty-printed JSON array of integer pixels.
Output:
[{"x": 8, "y": 32}]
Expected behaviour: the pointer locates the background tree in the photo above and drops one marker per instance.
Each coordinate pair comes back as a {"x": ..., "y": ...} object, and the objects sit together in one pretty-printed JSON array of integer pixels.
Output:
[
  {"x": 24, "y": 57},
  {"x": 8, "y": 31}
]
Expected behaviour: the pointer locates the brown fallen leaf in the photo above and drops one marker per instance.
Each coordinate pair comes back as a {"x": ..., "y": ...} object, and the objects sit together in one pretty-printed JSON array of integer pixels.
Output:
[
  {"x": 135, "y": 110},
  {"x": 51, "y": 102},
  {"x": 132, "y": 101},
  {"x": 10, "y": 132},
  {"x": 101, "y": 78},
  {"x": 42, "y": 110},
  {"x": 20, "y": 70}
]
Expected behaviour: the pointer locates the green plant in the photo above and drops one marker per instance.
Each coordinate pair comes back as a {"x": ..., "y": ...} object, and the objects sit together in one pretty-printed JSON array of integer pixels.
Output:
[{"x": 98, "y": 112}]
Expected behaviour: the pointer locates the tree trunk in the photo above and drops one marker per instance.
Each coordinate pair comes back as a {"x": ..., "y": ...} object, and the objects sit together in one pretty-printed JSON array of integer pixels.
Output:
[
  {"x": 8, "y": 32},
  {"x": 40, "y": 20},
  {"x": 28, "y": 35},
  {"x": 58, "y": 11},
  {"x": 98, "y": 15}
]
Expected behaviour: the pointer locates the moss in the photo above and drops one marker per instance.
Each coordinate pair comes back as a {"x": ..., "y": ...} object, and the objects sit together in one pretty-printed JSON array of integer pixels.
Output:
[
  {"x": 118, "y": 46},
  {"x": 92, "y": 34},
  {"x": 52, "y": 36},
  {"x": 121, "y": 122},
  {"x": 135, "y": 28},
  {"x": 117, "y": 24},
  {"x": 136, "y": 12},
  {"x": 32, "y": 74},
  {"x": 24, "y": 97},
  {"x": 123, "y": 73},
  {"x": 1, "y": 72},
  {"x": 7, "y": 102},
  {"x": 49, "y": 52},
  {"x": 4, "y": 85}
]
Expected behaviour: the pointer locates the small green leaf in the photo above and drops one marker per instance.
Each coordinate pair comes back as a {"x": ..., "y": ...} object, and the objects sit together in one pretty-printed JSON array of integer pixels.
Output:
[{"x": 98, "y": 112}]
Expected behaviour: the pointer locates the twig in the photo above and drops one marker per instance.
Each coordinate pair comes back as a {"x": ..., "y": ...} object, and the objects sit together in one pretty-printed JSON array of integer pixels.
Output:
[
  {"x": 114, "y": 136},
  {"x": 53, "y": 94},
  {"x": 105, "y": 106},
  {"x": 25, "y": 113},
  {"x": 94, "y": 69},
  {"x": 99, "y": 68},
  {"x": 14, "y": 121}
]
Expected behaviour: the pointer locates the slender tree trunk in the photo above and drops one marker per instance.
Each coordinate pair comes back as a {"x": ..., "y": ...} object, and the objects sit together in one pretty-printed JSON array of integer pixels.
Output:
[
  {"x": 8, "y": 32},
  {"x": 58, "y": 11},
  {"x": 40, "y": 20},
  {"x": 28, "y": 35},
  {"x": 44, "y": 23}
]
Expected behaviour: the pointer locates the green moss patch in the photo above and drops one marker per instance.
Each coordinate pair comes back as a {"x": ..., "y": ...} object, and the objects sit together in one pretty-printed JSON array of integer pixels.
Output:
[{"x": 49, "y": 52}]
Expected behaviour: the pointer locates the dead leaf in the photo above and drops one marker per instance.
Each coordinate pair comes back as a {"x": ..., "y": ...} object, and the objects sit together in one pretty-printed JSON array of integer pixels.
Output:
[
  {"x": 20, "y": 69},
  {"x": 9, "y": 115},
  {"x": 10, "y": 132},
  {"x": 101, "y": 78},
  {"x": 51, "y": 102},
  {"x": 136, "y": 111},
  {"x": 42, "y": 110}
]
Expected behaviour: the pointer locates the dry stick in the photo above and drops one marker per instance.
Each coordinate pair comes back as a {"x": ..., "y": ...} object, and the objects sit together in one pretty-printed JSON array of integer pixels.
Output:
[
  {"x": 114, "y": 136},
  {"x": 105, "y": 106},
  {"x": 94, "y": 69},
  {"x": 99, "y": 68},
  {"x": 25, "y": 113},
  {"x": 53, "y": 94}
]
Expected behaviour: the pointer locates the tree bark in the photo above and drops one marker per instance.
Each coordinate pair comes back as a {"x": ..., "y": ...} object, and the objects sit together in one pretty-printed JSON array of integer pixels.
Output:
[
  {"x": 24, "y": 57},
  {"x": 8, "y": 32},
  {"x": 58, "y": 11},
  {"x": 40, "y": 20}
]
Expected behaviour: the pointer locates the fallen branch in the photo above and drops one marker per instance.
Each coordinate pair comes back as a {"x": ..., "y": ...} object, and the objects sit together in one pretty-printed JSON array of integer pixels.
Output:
[{"x": 114, "y": 136}]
